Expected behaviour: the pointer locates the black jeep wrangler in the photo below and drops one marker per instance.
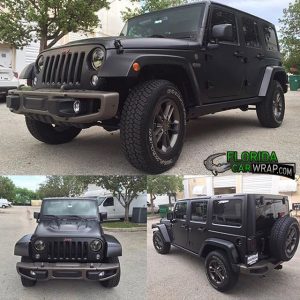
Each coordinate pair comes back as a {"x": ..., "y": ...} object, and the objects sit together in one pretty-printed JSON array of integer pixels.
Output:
[
  {"x": 242, "y": 233},
  {"x": 69, "y": 243},
  {"x": 165, "y": 68}
]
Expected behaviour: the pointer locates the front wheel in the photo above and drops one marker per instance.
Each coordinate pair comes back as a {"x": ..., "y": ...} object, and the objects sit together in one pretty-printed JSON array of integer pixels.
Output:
[
  {"x": 219, "y": 271},
  {"x": 51, "y": 134},
  {"x": 159, "y": 243},
  {"x": 271, "y": 110},
  {"x": 113, "y": 282},
  {"x": 153, "y": 126}
]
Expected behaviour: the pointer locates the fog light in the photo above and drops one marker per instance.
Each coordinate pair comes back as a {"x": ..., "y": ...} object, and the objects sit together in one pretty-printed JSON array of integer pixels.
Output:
[
  {"x": 76, "y": 106},
  {"x": 34, "y": 82},
  {"x": 32, "y": 273},
  {"x": 98, "y": 256},
  {"x": 37, "y": 256},
  {"x": 101, "y": 274},
  {"x": 95, "y": 80}
]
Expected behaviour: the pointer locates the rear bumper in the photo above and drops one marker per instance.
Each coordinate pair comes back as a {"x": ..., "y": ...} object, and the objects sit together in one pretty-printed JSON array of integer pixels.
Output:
[
  {"x": 260, "y": 268},
  {"x": 58, "y": 106},
  {"x": 84, "y": 271}
]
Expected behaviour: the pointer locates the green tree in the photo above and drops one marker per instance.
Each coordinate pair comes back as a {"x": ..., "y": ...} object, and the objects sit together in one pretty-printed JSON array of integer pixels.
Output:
[
  {"x": 23, "y": 21},
  {"x": 290, "y": 35},
  {"x": 24, "y": 196},
  {"x": 7, "y": 188},
  {"x": 124, "y": 188},
  {"x": 63, "y": 186},
  {"x": 148, "y": 6},
  {"x": 162, "y": 185}
]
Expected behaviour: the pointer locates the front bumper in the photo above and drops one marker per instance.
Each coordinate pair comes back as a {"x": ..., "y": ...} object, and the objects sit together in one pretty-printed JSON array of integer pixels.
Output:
[
  {"x": 53, "y": 105},
  {"x": 87, "y": 271},
  {"x": 260, "y": 268}
]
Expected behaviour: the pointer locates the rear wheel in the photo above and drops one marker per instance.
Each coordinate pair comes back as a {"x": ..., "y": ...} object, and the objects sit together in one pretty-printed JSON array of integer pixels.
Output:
[
  {"x": 51, "y": 134},
  {"x": 219, "y": 271},
  {"x": 284, "y": 238},
  {"x": 159, "y": 243},
  {"x": 113, "y": 282},
  {"x": 271, "y": 110}
]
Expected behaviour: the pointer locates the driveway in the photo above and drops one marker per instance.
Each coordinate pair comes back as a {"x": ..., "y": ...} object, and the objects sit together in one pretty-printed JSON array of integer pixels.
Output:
[
  {"x": 179, "y": 275},
  {"x": 17, "y": 221},
  {"x": 96, "y": 151}
]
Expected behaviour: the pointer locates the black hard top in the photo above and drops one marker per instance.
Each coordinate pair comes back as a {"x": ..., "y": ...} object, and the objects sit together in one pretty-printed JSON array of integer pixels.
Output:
[{"x": 255, "y": 196}]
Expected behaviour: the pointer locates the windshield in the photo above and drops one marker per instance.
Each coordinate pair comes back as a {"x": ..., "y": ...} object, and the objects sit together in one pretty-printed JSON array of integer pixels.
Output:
[
  {"x": 75, "y": 207},
  {"x": 181, "y": 22}
]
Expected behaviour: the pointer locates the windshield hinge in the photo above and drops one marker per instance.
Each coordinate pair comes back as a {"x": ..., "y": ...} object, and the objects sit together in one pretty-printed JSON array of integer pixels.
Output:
[{"x": 119, "y": 46}]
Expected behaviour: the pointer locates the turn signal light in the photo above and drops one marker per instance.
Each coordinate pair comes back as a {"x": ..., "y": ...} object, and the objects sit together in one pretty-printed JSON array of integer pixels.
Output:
[{"x": 136, "y": 67}]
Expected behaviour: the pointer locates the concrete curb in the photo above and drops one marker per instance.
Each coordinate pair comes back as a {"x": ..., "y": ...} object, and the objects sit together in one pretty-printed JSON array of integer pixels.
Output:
[{"x": 133, "y": 229}]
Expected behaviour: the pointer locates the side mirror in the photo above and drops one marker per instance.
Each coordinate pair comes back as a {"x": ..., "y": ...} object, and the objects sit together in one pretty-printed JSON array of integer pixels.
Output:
[
  {"x": 103, "y": 216},
  {"x": 170, "y": 216},
  {"x": 223, "y": 32},
  {"x": 36, "y": 215}
]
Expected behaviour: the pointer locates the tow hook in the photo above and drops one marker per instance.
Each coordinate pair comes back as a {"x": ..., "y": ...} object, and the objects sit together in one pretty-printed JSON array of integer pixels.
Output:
[{"x": 279, "y": 267}]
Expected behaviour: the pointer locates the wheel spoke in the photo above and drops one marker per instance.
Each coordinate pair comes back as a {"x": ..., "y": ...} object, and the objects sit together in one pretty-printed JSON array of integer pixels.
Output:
[{"x": 167, "y": 110}]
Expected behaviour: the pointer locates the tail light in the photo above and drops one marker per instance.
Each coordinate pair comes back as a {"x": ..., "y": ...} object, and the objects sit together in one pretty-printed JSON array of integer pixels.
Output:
[
  {"x": 251, "y": 244},
  {"x": 16, "y": 74}
]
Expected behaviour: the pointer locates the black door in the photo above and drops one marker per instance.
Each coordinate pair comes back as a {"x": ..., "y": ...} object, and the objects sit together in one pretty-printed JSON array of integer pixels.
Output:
[
  {"x": 253, "y": 48},
  {"x": 180, "y": 228},
  {"x": 197, "y": 225},
  {"x": 225, "y": 61}
]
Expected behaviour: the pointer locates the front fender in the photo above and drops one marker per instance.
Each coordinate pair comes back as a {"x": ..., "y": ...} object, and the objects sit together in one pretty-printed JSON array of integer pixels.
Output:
[
  {"x": 27, "y": 72},
  {"x": 23, "y": 245},
  {"x": 164, "y": 232},
  {"x": 114, "y": 247}
]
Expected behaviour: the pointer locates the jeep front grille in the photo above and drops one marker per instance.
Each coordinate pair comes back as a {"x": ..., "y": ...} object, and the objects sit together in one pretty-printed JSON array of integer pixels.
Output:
[
  {"x": 63, "y": 69},
  {"x": 65, "y": 250}
]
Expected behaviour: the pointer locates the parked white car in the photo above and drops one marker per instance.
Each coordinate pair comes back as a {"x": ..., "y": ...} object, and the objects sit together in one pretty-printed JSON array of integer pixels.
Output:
[
  {"x": 8, "y": 80},
  {"x": 4, "y": 203}
]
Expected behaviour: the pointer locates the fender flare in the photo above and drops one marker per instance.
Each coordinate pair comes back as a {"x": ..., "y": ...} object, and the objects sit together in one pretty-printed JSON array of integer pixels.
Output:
[
  {"x": 113, "y": 246},
  {"x": 27, "y": 72},
  {"x": 269, "y": 75},
  {"x": 164, "y": 231},
  {"x": 227, "y": 246},
  {"x": 22, "y": 246}
]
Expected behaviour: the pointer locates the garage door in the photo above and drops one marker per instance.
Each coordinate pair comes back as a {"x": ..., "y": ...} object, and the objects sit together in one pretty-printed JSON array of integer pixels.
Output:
[
  {"x": 257, "y": 184},
  {"x": 224, "y": 181}
]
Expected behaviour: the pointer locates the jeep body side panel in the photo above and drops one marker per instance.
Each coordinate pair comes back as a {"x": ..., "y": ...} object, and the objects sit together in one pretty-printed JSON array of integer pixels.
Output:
[
  {"x": 225, "y": 245},
  {"x": 114, "y": 247},
  {"x": 23, "y": 245}
]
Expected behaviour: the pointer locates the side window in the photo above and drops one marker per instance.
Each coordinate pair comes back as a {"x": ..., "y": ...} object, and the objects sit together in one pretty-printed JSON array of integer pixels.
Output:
[
  {"x": 270, "y": 38},
  {"x": 199, "y": 211},
  {"x": 109, "y": 202},
  {"x": 227, "y": 212},
  {"x": 223, "y": 17},
  {"x": 180, "y": 210},
  {"x": 251, "y": 33}
]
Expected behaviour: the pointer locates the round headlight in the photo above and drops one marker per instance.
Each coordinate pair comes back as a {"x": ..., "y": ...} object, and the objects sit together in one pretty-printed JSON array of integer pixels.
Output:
[
  {"x": 39, "y": 245},
  {"x": 97, "y": 58},
  {"x": 96, "y": 245},
  {"x": 40, "y": 63}
]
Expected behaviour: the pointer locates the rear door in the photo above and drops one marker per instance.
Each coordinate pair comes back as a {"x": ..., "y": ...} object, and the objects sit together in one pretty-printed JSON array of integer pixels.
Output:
[
  {"x": 197, "y": 225},
  {"x": 109, "y": 207},
  {"x": 180, "y": 225},
  {"x": 255, "y": 55}
]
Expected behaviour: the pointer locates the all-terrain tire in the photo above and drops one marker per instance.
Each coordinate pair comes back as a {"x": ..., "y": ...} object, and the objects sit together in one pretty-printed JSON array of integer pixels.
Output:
[
  {"x": 138, "y": 122},
  {"x": 279, "y": 238},
  {"x": 265, "y": 109},
  {"x": 49, "y": 134},
  {"x": 230, "y": 277},
  {"x": 27, "y": 282},
  {"x": 113, "y": 282},
  {"x": 160, "y": 245}
]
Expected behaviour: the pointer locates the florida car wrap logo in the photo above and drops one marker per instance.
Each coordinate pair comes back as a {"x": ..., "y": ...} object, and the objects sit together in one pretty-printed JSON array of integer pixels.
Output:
[{"x": 256, "y": 162}]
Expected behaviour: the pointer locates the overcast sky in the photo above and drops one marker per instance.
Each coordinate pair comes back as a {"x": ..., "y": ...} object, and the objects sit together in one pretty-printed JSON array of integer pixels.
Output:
[
  {"x": 29, "y": 182},
  {"x": 270, "y": 10}
]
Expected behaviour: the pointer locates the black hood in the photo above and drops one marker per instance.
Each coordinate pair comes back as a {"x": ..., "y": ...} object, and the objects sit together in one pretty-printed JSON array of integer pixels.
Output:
[
  {"x": 136, "y": 43},
  {"x": 69, "y": 228}
]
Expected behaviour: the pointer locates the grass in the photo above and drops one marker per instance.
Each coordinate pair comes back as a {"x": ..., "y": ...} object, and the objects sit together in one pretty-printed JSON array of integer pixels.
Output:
[{"x": 119, "y": 224}]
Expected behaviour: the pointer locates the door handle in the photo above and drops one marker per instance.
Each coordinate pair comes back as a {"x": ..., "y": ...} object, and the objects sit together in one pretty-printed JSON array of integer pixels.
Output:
[
  {"x": 238, "y": 54},
  {"x": 260, "y": 56},
  {"x": 184, "y": 226},
  {"x": 201, "y": 229}
]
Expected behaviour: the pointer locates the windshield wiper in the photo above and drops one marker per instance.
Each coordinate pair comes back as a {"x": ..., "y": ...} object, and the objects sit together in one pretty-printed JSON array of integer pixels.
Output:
[{"x": 157, "y": 36}]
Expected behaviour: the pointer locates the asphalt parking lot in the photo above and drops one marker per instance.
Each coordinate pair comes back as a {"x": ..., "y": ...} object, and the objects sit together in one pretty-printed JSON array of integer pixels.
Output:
[
  {"x": 96, "y": 151},
  {"x": 17, "y": 221},
  {"x": 179, "y": 275}
]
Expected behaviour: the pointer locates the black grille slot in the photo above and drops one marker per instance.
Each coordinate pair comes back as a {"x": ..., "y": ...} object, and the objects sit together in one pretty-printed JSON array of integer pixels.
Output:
[
  {"x": 67, "y": 250},
  {"x": 63, "y": 69}
]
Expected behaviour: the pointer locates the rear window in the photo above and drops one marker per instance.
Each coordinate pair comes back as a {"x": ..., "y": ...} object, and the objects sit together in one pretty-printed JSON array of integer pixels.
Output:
[
  {"x": 270, "y": 38},
  {"x": 227, "y": 212}
]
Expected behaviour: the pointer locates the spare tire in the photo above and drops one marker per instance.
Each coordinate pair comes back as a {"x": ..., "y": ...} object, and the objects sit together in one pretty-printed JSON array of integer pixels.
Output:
[{"x": 284, "y": 238}]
